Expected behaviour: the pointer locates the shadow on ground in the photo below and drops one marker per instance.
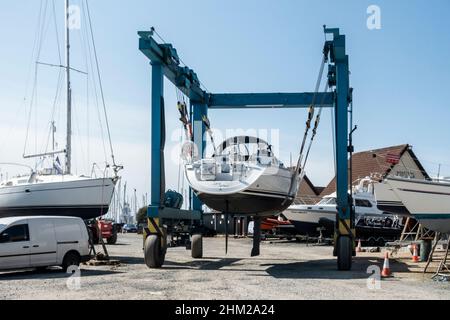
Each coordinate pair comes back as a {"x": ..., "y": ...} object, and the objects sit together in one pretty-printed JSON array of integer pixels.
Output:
[
  {"x": 327, "y": 269},
  {"x": 203, "y": 264},
  {"x": 314, "y": 269},
  {"x": 120, "y": 244},
  {"x": 51, "y": 274},
  {"x": 129, "y": 260}
]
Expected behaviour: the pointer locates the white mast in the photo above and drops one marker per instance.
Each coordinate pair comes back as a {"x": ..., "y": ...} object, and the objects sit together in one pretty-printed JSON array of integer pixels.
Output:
[{"x": 69, "y": 96}]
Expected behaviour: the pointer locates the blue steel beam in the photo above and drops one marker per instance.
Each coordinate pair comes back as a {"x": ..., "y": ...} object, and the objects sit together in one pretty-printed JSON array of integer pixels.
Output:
[
  {"x": 199, "y": 130},
  {"x": 269, "y": 100},
  {"x": 157, "y": 141},
  {"x": 339, "y": 77},
  {"x": 340, "y": 59},
  {"x": 183, "y": 78},
  {"x": 341, "y": 111}
]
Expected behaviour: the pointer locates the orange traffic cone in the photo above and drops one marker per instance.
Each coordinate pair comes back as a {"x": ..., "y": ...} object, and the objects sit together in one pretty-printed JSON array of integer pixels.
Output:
[
  {"x": 386, "y": 272},
  {"x": 359, "y": 248},
  {"x": 415, "y": 257}
]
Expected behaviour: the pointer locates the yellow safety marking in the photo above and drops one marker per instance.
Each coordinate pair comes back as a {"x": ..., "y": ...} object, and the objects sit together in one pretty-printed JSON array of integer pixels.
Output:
[
  {"x": 150, "y": 225},
  {"x": 343, "y": 229}
]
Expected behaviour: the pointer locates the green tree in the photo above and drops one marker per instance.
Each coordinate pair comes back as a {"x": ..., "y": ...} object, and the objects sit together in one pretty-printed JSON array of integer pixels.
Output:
[{"x": 141, "y": 216}]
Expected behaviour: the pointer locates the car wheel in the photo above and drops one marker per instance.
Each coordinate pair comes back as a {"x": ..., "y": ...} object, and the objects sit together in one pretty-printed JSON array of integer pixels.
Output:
[
  {"x": 112, "y": 239},
  {"x": 197, "y": 246},
  {"x": 71, "y": 259}
]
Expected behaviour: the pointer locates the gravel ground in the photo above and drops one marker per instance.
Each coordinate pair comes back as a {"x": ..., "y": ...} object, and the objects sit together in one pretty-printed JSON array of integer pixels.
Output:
[{"x": 285, "y": 270}]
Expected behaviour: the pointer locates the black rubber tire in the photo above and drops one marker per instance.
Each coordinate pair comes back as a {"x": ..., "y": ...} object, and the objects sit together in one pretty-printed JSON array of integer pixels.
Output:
[
  {"x": 197, "y": 246},
  {"x": 71, "y": 259},
  {"x": 154, "y": 253},
  {"x": 112, "y": 239},
  {"x": 344, "y": 253},
  {"x": 381, "y": 242},
  {"x": 372, "y": 242}
]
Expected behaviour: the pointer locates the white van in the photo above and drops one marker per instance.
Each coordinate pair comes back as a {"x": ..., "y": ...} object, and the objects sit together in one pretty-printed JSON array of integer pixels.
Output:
[{"x": 39, "y": 242}]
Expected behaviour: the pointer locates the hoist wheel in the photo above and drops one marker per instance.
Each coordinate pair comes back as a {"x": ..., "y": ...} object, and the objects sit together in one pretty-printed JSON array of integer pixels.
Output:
[
  {"x": 197, "y": 246},
  {"x": 154, "y": 252},
  {"x": 344, "y": 253}
]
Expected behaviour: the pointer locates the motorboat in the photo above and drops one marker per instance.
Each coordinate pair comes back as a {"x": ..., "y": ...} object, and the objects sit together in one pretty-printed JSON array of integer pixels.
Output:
[
  {"x": 427, "y": 201},
  {"x": 243, "y": 176},
  {"x": 309, "y": 218}
]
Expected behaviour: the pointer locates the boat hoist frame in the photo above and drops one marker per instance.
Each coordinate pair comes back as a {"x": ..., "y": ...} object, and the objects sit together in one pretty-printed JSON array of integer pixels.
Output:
[{"x": 165, "y": 62}]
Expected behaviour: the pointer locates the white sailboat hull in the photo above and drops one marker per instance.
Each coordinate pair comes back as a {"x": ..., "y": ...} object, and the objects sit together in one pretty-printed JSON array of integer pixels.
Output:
[
  {"x": 84, "y": 198},
  {"x": 388, "y": 201},
  {"x": 428, "y": 202},
  {"x": 261, "y": 193}
]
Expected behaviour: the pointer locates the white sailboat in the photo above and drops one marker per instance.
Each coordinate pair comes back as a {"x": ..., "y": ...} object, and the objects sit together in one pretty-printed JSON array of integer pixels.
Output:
[
  {"x": 243, "y": 176},
  {"x": 387, "y": 200},
  {"x": 54, "y": 191},
  {"x": 427, "y": 201}
]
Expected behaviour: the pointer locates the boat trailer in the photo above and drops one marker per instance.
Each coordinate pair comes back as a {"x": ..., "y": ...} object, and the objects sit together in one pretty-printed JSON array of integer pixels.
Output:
[{"x": 166, "y": 63}]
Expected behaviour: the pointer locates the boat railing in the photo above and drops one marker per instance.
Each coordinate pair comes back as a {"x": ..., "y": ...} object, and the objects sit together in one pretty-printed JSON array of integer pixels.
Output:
[{"x": 307, "y": 199}]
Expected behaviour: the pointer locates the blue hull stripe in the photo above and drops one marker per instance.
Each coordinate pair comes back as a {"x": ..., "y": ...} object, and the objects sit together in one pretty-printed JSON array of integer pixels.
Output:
[{"x": 432, "y": 216}]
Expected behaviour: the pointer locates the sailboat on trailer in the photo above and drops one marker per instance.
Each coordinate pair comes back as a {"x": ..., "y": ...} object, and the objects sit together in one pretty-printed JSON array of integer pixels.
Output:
[
  {"x": 427, "y": 201},
  {"x": 54, "y": 191}
]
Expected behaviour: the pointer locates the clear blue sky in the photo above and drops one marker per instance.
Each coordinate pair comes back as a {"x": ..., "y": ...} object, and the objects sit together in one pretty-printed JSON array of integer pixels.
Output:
[{"x": 400, "y": 73}]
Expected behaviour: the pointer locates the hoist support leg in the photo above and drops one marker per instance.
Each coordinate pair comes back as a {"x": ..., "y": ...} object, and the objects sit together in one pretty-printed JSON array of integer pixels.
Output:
[
  {"x": 256, "y": 237},
  {"x": 199, "y": 129},
  {"x": 344, "y": 231},
  {"x": 155, "y": 243}
]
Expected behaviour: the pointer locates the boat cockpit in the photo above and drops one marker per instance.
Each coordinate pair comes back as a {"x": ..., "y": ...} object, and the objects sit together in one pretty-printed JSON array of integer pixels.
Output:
[{"x": 235, "y": 157}]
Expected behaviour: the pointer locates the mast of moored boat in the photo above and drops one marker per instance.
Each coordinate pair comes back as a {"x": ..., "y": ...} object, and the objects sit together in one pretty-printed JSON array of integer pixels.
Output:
[{"x": 69, "y": 96}]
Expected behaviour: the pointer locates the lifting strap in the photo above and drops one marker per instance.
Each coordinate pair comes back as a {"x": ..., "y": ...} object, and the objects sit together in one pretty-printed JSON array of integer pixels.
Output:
[
  {"x": 298, "y": 171},
  {"x": 184, "y": 118},
  {"x": 316, "y": 126},
  {"x": 311, "y": 113},
  {"x": 208, "y": 129},
  {"x": 305, "y": 136},
  {"x": 314, "y": 133}
]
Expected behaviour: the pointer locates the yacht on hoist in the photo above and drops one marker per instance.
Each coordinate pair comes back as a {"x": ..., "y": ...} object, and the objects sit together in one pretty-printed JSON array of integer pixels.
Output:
[
  {"x": 243, "y": 176},
  {"x": 54, "y": 191}
]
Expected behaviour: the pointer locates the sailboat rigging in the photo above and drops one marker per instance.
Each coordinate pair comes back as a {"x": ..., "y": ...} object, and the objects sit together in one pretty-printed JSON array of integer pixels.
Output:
[{"x": 57, "y": 191}]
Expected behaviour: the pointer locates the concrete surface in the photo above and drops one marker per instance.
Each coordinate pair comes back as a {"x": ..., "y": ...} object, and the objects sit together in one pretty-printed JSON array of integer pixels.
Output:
[{"x": 285, "y": 270}]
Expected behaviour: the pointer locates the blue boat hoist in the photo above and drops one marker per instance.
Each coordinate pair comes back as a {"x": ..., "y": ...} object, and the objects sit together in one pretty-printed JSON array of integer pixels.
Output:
[{"x": 164, "y": 220}]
